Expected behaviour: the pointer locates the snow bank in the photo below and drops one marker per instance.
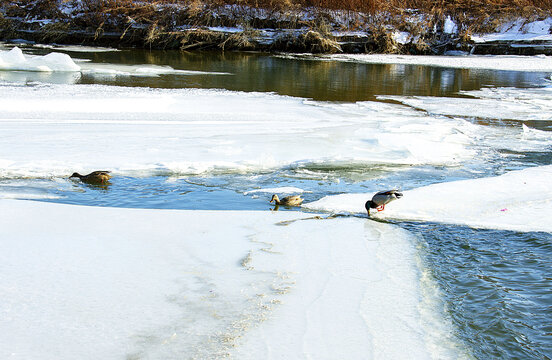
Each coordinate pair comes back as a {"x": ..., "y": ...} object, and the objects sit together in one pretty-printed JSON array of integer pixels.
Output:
[
  {"x": 519, "y": 200},
  {"x": 55, "y": 130},
  {"x": 16, "y": 60},
  {"x": 496, "y": 103},
  {"x": 519, "y": 30},
  {"x": 492, "y": 62},
  {"x": 107, "y": 283}
]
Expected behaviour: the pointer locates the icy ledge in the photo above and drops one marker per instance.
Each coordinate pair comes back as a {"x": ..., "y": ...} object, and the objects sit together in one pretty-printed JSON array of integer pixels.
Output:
[
  {"x": 519, "y": 200},
  {"x": 108, "y": 283}
]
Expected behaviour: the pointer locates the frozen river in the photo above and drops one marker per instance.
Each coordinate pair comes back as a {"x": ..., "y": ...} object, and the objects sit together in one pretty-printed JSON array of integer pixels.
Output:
[{"x": 160, "y": 263}]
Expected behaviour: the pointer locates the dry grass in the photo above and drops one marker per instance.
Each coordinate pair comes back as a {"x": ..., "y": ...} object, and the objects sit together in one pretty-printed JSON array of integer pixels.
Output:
[{"x": 157, "y": 22}]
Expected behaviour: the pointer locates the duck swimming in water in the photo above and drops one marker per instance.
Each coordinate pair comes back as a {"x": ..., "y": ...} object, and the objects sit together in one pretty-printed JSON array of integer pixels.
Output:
[
  {"x": 380, "y": 199},
  {"x": 95, "y": 177},
  {"x": 294, "y": 200}
]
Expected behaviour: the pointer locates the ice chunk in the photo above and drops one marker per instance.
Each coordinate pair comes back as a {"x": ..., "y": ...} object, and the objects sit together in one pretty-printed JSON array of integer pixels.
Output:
[
  {"x": 498, "y": 62},
  {"x": 498, "y": 103},
  {"x": 519, "y": 200},
  {"x": 278, "y": 190},
  {"x": 16, "y": 60}
]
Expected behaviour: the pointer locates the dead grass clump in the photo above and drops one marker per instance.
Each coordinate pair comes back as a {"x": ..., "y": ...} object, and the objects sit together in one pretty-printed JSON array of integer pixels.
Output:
[
  {"x": 310, "y": 41},
  {"x": 44, "y": 9},
  {"x": 238, "y": 41},
  {"x": 383, "y": 39},
  {"x": 7, "y": 28},
  {"x": 54, "y": 32},
  {"x": 316, "y": 42},
  {"x": 200, "y": 38},
  {"x": 153, "y": 33}
]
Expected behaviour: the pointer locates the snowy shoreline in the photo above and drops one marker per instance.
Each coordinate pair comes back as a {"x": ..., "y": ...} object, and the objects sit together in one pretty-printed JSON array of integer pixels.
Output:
[
  {"x": 293, "y": 30},
  {"x": 89, "y": 282}
]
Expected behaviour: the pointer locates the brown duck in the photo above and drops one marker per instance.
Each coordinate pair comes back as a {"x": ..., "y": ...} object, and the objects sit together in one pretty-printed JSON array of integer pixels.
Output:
[
  {"x": 95, "y": 177},
  {"x": 288, "y": 200}
]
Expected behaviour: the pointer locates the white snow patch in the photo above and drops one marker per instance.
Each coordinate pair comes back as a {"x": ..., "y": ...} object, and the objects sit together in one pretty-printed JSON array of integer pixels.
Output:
[
  {"x": 57, "y": 129},
  {"x": 15, "y": 60},
  {"x": 493, "y": 103},
  {"x": 108, "y": 283},
  {"x": 450, "y": 26},
  {"x": 493, "y": 62},
  {"x": 519, "y": 30},
  {"x": 519, "y": 200},
  {"x": 278, "y": 190}
]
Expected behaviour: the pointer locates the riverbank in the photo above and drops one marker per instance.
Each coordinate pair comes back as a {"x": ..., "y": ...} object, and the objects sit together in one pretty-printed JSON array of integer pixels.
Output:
[{"x": 194, "y": 25}]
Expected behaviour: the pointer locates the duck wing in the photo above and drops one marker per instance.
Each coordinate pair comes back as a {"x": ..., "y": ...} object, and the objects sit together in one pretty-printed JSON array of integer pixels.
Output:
[{"x": 385, "y": 197}]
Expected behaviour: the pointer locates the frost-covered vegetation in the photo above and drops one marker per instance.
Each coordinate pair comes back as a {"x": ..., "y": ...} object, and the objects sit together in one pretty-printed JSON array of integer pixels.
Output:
[{"x": 310, "y": 25}]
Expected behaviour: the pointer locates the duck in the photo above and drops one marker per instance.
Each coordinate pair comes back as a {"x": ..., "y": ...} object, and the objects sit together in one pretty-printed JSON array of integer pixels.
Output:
[
  {"x": 95, "y": 177},
  {"x": 382, "y": 198},
  {"x": 294, "y": 200}
]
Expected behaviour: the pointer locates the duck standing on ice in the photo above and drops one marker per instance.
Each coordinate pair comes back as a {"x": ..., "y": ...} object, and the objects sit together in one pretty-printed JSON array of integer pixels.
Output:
[{"x": 380, "y": 199}]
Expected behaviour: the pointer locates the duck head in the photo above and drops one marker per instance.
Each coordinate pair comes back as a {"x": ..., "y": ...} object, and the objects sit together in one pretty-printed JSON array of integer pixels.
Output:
[{"x": 370, "y": 205}]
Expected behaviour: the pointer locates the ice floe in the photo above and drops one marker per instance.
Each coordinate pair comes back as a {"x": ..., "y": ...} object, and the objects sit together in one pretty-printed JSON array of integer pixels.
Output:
[
  {"x": 278, "y": 190},
  {"x": 157, "y": 284},
  {"x": 493, "y": 103},
  {"x": 16, "y": 60},
  {"x": 492, "y": 62},
  {"x": 518, "y": 200},
  {"x": 55, "y": 129}
]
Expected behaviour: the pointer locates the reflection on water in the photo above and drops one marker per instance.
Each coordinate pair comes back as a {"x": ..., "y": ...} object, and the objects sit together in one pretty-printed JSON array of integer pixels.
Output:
[{"x": 301, "y": 77}]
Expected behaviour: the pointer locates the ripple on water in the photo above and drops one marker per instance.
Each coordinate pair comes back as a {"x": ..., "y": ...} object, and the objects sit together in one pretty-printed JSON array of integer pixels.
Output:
[{"x": 497, "y": 286}]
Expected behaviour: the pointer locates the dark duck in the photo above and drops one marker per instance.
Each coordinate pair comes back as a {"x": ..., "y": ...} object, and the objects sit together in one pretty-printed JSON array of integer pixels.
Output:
[{"x": 95, "y": 177}]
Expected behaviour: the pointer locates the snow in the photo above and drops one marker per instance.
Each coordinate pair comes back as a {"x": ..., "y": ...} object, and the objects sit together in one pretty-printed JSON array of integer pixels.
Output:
[
  {"x": 16, "y": 60},
  {"x": 191, "y": 131},
  {"x": 493, "y": 62},
  {"x": 113, "y": 283},
  {"x": 497, "y": 103},
  {"x": 518, "y": 200},
  {"x": 450, "y": 26},
  {"x": 278, "y": 190},
  {"x": 519, "y": 30},
  {"x": 89, "y": 283},
  {"x": 401, "y": 37},
  {"x": 111, "y": 70}
]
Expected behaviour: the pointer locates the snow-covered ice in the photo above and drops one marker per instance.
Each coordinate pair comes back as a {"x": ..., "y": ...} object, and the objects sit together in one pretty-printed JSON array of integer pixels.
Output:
[
  {"x": 89, "y": 283},
  {"x": 16, "y": 60},
  {"x": 519, "y": 29},
  {"x": 196, "y": 130},
  {"x": 518, "y": 200},
  {"x": 492, "y": 62},
  {"x": 496, "y": 103}
]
